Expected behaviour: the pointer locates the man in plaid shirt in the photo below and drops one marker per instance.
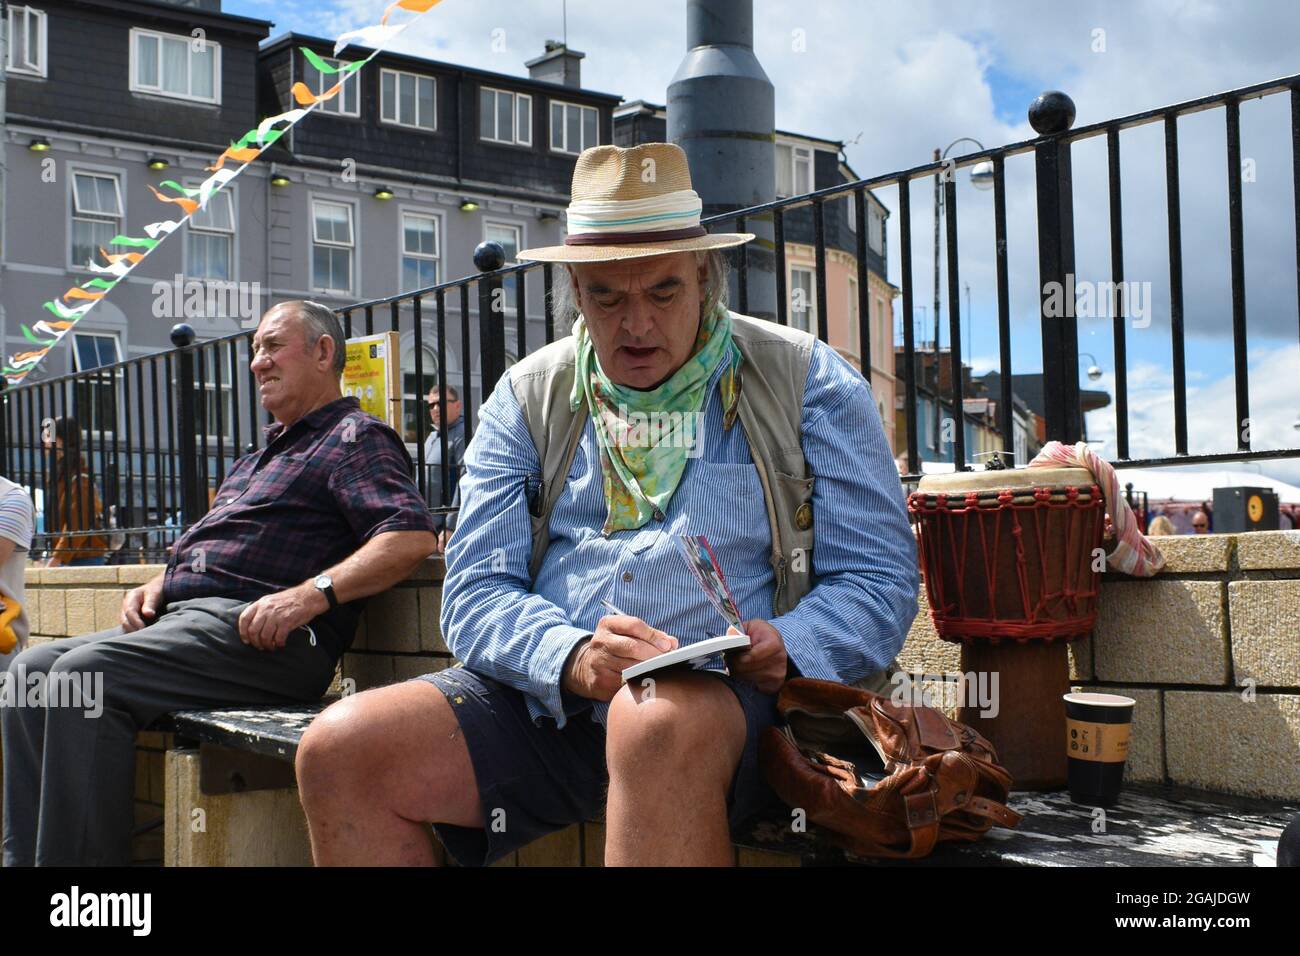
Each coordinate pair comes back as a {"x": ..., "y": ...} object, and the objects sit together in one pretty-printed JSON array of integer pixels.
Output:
[{"x": 259, "y": 600}]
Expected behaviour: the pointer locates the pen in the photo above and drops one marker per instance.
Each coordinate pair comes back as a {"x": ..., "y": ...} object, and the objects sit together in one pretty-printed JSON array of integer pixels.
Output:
[{"x": 610, "y": 605}]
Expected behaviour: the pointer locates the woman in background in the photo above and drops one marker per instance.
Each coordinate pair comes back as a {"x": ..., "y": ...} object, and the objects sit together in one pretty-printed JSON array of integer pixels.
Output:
[
  {"x": 1160, "y": 525},
  {"x": 71, "y": 502}
]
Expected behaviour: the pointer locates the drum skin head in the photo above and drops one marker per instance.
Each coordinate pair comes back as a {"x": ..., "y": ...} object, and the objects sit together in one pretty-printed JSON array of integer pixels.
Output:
[{"x": 958, "y": 482}]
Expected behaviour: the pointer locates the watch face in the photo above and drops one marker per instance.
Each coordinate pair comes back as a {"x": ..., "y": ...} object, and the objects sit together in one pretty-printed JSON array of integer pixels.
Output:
[{"x": 324, "y": 581}]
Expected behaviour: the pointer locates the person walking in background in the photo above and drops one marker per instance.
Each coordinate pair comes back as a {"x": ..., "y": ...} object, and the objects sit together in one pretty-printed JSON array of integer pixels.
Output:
[
  {"x": 1200, "y": 523},
  {"x": 433, "y": 457},
  {"x": 72, "y": 504},
  {"x": 17, "y": 519}
]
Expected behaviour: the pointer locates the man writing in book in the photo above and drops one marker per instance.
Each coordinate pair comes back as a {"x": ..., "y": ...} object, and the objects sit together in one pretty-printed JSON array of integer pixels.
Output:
[{"x": 567, "y": 507}]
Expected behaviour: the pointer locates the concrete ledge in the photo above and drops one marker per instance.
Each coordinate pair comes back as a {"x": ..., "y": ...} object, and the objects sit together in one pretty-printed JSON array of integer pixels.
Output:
[
  {"x": 258, "y": 828},
  {"x": 134, "y": 574},
  {"x": 1215, "y": 740},
  {"x": 1162, "y": 632},
  {"x": 1269, "y": 550},
  {"x": 1190, "y": 553},
  {"x": 67, "y": 577},
  {"x": 1265, "y": 632}
]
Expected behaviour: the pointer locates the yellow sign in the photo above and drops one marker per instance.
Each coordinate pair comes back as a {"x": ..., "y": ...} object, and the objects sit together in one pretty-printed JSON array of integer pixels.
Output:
[
  {"x": 371, "y": 373},
  {"x": 1255, "y": 508}
]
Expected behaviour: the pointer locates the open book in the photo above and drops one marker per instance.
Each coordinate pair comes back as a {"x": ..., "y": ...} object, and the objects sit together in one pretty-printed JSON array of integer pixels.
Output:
[{"x": 702, "y": 561}]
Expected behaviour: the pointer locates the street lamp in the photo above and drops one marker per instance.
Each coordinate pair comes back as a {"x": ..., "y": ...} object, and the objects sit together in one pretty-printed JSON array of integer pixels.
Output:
[
  {"x": 1094, "y": 370},
  {"x": 982, "y": 178}
]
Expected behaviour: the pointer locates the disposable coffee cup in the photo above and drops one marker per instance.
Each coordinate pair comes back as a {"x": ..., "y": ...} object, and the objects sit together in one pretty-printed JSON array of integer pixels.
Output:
[{"x": 1097, "y": 728}]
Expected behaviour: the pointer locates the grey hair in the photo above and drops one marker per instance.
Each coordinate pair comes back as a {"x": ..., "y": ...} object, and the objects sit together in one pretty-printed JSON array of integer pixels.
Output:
[
  {"x": 318, "y": 320},
  {"x": 564, "y": 297}
]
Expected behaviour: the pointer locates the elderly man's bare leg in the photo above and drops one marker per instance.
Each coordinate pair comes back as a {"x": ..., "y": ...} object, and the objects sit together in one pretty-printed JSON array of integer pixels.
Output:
[
  {"x": 374, "y": 766},
  {"x": 671, "y": 758}
]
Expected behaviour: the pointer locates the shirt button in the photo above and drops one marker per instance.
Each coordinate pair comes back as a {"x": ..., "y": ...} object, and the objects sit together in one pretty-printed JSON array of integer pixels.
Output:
[
  {"x": 659, "y": 515},
  {"x": 627, "y": 577}
]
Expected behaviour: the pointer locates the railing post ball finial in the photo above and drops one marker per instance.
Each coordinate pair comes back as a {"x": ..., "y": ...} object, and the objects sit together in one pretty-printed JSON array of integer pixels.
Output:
[
  {"x": 1051, "y": 112},
  {"x": 489, "y": 256},
  {"x": 182, "y": 334}
]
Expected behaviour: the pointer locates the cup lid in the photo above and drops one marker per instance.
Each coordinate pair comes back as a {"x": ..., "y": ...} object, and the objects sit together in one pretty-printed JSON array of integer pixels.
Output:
[{"x": 1100, "y": 700}]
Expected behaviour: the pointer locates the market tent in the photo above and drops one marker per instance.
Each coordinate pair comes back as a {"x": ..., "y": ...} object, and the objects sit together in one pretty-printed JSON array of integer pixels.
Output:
[{"x": 1176, "y": 484}]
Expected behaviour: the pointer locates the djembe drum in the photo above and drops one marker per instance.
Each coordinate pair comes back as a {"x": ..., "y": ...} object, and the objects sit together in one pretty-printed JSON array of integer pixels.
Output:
[{"x": 1008, "y": 558}]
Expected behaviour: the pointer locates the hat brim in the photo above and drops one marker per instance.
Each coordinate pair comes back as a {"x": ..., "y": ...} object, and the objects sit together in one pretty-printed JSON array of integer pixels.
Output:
[{"x": 636, "y": 250}]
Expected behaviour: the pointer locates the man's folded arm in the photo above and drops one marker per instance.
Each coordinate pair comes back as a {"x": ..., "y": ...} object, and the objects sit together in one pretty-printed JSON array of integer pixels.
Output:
[
  {"x": 857, "y": 615},
  {"x": 491, "y": 619}
]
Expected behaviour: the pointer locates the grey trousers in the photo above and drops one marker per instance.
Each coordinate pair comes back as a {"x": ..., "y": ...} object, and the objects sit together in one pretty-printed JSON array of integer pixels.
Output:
[{"x": 69, "y": 765}]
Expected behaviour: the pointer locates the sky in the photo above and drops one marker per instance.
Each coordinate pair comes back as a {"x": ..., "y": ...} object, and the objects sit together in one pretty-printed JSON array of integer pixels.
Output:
[{"x": 897, "y": 80}]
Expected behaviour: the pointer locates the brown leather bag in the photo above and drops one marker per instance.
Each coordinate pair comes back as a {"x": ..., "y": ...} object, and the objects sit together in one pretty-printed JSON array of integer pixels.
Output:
[{"x": 887, "y": 779}]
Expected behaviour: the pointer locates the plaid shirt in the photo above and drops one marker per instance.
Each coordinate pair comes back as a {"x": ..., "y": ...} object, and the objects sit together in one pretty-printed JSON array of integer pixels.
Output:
[{"x": 319, "y": 490}]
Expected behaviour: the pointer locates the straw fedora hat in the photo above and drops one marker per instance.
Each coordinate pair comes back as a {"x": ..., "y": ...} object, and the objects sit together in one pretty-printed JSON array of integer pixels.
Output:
[{"x": 631, "y": 203}]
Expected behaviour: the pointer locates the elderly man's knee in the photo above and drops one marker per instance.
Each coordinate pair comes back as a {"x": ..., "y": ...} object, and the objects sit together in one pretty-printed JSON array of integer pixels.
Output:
[
  {"x": 362, "y": 742},
  {"x": 37, "y": 659},
  {"x": 674, "y": 724},
  {"x": 335, "y": 747}
]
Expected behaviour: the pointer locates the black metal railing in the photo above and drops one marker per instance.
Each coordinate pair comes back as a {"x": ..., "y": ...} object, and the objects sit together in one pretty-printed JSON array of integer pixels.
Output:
[{"x": 159, "y": 432}]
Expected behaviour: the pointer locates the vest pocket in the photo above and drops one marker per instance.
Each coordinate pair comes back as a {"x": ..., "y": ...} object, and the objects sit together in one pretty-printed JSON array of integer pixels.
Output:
[{"x": 793, "y": 499}]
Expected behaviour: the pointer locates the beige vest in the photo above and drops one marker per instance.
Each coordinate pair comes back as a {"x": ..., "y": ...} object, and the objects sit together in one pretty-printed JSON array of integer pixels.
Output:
[{"x": 776, "y": 361}]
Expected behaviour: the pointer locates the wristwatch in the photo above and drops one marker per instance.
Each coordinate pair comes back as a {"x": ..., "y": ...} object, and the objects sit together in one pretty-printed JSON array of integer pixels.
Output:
[{"x": 325, "y": 585}]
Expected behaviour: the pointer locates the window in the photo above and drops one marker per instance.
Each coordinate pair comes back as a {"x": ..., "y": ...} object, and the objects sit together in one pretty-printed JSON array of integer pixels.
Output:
[
  {"x": 210, "y": 401},
  {"x": 188, "y": 68},
  {"x": 852, "y": 213},
  {"x": 211, "y": 240},
  {"x": 419, "y": 251},
  {"x": 793, "y": 170},
  {"x": 407, "y": 99},
  {"x": 26, "y": 48},
  {"x": 343, "y": 104},
  {"x": 573, "y": 127},
  {"x": 332, "y": 242},
  {"x": 505, "y": 117},
  {"x": 803, "y": 303},
  {"x": 415, "y": 391},
  {"x": 210, "y": 398},
  {"x": 96, "y": 395},
  {"x": 96, "y": 215},
  {"x": 876, "y": 229},
  {"x": 509, "y": 236}
]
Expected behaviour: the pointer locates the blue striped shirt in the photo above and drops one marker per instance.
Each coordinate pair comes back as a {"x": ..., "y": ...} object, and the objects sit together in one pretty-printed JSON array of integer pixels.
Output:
[{"x": 520, "y": 632}]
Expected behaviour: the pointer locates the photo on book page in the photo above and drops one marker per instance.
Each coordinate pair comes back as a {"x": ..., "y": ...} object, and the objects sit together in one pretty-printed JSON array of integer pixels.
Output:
[{"x": 704, "y": 564}]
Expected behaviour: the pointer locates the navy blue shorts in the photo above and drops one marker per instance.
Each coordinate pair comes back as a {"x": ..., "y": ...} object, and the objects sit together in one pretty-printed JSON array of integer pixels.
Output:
[{"x": 545, "y": 779}]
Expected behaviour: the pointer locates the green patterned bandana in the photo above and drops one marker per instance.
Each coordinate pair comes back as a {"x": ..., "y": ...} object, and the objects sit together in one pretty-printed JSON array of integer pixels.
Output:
[{"x": 645, "y": 437}]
